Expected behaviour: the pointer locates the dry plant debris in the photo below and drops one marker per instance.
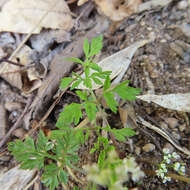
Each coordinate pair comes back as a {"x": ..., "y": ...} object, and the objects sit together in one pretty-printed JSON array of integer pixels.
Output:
[
  {"x": 160, "y": 68},
  {"x": 116, "y": 10},
  {"x": 22, "y": 15},
  {"x": 25, "y": 80},
  {"x": 178, "y": 102}
]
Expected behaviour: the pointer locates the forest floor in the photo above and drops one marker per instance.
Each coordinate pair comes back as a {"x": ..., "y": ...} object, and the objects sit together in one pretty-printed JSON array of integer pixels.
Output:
[{"x": 160, "y": 67}]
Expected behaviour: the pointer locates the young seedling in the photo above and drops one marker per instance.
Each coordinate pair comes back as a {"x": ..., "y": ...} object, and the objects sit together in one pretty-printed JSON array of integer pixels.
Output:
[{"x": 56, "y": 155}]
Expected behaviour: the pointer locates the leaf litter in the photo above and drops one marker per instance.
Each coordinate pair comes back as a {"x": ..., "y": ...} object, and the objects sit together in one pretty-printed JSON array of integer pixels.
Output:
[{"x": 121, "y": 73}]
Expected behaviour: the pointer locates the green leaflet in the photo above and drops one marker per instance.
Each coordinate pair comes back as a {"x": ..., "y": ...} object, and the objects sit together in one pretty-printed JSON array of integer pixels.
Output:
[
  {"x": 91, "y": 110},
  {"x": 82, "y": 94},
  {"x": 121, "y": 134},
  {"x": 96, "y": 45},
  {"x": 74, "y": 59},
  {"x": 86, "y": 47},
  {"x": 65, "y": 82},
  {"x": 111, "y": 102},
  {"x": 71, "y": 113},
  {"x": 126, "y": 92},
  {"x": 107, "y": 83}
]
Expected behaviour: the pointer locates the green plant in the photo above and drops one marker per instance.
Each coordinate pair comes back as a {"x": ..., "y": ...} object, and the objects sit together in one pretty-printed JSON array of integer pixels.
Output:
[
  {"x": 114, "y": 172},
  {"x": 169, "y": 162},
  {"x": 56, "y": 154}
]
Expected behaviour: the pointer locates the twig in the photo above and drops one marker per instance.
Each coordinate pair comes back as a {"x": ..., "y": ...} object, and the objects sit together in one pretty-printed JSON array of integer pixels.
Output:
[
  {"x": 5, "y": 138},
  {"x": 31, "y": 182},
  {"x": 73, "y": 175},
  {"x": 165, "y": 135},
  {"x": 11, "y": 62}
]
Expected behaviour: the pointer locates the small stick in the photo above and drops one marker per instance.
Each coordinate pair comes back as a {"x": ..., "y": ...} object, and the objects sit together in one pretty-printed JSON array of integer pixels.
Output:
[
  {"x": 32, "y": 182},
  {"x": 11, "y": 62},
  {"x": 5, "y": 138}
]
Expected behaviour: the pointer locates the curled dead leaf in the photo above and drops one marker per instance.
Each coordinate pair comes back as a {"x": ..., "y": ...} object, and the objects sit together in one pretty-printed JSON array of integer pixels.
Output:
[
  {"x": 25, "y": 80},
  {"x": 179, "y": 102}
]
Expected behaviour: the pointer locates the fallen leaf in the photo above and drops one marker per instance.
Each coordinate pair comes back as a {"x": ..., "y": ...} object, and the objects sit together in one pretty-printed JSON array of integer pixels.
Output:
[
  {"x": 22, "y": 15},
  {"x": 26, "y": 81},
  {"x": 179, "y": 102},
  {"x": 46, "y": 37},
  {"x": 16, "y": 178},
  {"x": 127, "y": 116},
  {"x": 153, "y": 4},
  {"x": 81, "y": 2},
  {"x": 118, "y": 63},
  {"x": 117, "y": 10}
]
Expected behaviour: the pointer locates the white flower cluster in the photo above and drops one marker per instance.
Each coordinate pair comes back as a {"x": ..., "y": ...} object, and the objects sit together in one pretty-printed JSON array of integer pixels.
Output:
[
  {"x": 113, "y": 176},
  {"x": 132, "y": 167},
  {"x": 169, "y": 161}
]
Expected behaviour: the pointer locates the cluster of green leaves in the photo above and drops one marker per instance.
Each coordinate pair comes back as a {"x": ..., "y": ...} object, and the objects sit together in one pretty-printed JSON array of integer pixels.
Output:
[{"x": 60, "y": 149}]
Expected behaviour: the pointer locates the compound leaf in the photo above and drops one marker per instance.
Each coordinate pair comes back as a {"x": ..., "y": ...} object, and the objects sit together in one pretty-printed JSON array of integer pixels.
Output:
[
  {"x": 121, "y": 134},
  {"x": 71, "y": 113},
  {"x": 50, "y": 176},
  {"x": 126, "y": 92}
]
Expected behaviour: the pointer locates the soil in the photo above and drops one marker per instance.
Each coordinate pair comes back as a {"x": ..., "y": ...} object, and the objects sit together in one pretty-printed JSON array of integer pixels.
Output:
[{"x": 160, "y": 67}]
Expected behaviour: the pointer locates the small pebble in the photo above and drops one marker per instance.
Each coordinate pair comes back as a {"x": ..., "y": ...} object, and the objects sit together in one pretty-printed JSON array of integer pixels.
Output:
[
  {"x": 169, "y": 146},
  {"x": 20, "y": 132},
  {"x": 182, "y": 127},
  {"x": 176, "y": 135},
  {"x": 5, "y": 158},
  {"x": 163, "y": 125},
  {"x": 172, "y": 122},
  {"x": 138, "y": 150},
  {"x": 182, "y": 5},
  {"x": 149, "y": 147}
]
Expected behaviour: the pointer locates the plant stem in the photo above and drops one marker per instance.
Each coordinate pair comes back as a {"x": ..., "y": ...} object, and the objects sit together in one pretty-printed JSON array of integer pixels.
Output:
[{"x": 107, "y": 124}]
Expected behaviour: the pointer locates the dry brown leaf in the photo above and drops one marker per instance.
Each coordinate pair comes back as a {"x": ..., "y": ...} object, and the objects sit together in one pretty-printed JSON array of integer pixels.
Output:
[
  {"x": 16, "y": 178},
  {"x": 127, "y": 116},
  {"x": 118, "y": 63},
  {"x": 117, "y": 10},
  {"x": 46, "y": 37},
  {"x": 179, "y": 102},
  {"x": 18, "y": 79},
  {"x": 22, "y": 15},
  {"x": 81, "y": 2}
]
